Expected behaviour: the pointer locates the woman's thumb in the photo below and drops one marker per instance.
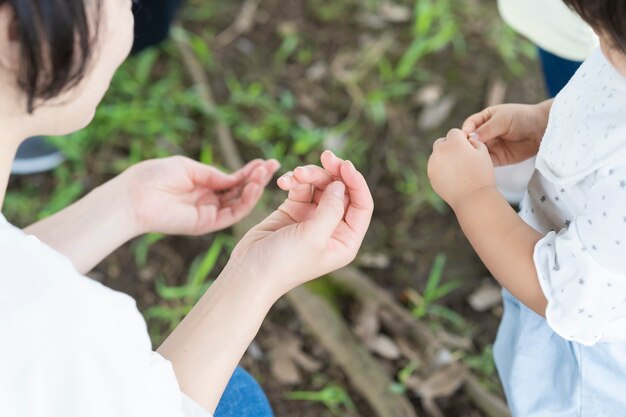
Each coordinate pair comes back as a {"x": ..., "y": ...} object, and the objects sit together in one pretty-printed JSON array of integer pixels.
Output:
[{"x": 330, "y": 210}]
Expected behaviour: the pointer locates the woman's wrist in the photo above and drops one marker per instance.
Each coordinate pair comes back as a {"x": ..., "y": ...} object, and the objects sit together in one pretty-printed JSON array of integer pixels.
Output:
[
  {"x": 100, "y": 221},
  {"x": 242, "y": 278},
  {"x": 113, "y": 199}
]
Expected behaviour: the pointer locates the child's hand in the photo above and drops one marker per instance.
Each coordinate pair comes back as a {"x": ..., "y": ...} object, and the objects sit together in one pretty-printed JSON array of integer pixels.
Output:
[
  {"x": 512, "y": 132},
  {"x": 318, "y": 229},
  {"x": 459, "y": 166},
  {"x": 178, "y": 195}
]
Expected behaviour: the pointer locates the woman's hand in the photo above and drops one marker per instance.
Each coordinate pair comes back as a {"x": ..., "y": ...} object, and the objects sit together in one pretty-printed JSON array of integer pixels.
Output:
[
  {"x": 318, "y": 229},
  {"x": 459, "y": 166},
  {"x": 178, "y": 195},
  {"x": 511, "y": 132}
]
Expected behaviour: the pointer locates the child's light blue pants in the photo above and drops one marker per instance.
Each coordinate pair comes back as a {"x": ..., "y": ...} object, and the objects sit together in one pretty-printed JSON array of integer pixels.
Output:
[{"x": 546, "y": 375}]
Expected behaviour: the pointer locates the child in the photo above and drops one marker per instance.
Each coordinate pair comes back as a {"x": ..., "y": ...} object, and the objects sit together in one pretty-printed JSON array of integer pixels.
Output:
[{"x": 560, "y": 348}]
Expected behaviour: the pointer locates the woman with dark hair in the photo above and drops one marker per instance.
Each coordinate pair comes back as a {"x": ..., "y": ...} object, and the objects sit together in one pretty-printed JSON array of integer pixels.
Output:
[
  {"x": 72, "y": 347},
  {"x": 153, "y": 19}
]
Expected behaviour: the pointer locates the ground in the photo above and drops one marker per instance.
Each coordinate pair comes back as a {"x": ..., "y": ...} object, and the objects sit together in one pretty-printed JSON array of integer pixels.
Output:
[{"x": 376, "y": 81}]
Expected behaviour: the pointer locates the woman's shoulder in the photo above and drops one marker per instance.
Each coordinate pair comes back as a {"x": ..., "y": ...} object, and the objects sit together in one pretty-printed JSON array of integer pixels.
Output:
[
  {"x": 64, "y": 333},
  {"x": 41, "y": 290}
]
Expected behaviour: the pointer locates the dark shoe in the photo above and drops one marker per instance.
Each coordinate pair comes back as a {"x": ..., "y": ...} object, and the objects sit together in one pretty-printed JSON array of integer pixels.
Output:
[{"x": 34, "y": 156}]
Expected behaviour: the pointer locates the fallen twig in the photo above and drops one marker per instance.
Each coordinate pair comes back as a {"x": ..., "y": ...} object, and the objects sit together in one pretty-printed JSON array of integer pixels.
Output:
[
  {"x": 366, "y": 374},
  {"x": 490, "y": 404},
  {"x": 242, "y": 24},
  {"x": 431, "y": 344},
  {"x": 225, "y": 140}
]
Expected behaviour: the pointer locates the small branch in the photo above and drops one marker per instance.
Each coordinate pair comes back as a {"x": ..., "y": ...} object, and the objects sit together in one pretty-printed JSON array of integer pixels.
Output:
[
  {"x": 430, "y": 343},
  {"x": 366, "y": 374},
  {"x": 242, "y": 24},
  {"x": 490, "y": 404},
  {"x": 225, "y": 140}
]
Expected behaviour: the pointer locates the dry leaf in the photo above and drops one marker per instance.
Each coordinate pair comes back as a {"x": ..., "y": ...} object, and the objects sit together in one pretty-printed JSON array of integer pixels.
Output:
[
  {"x": 497, "y": 93},
  {"x": 428, "y": 95},
  {"x": 283, "y": 367},
  {"x": 385, "y": 347},
  {"x": 375, "y": 260},
  {"x": 395, "y": 13},
  {"x": 305, "y": 361},
  {"x": 370, "y": 21},
  {"x": 286, "y": 355},
  {"x": 454, "y": 341},
  {"x": 485, "y": 297},
  {"x": 408, "y": 350},
  {"x": 367, "y": 323},
  {"x": 434, "y": 115},
  {"x": 317, "y": 71},
  {"x": 442, "y": 383}
]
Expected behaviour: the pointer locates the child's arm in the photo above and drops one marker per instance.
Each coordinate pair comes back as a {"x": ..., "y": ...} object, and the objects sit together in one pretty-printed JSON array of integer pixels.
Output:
[
  {"x": 461, "y": 172},
  {"x": 512, "y": 132},
  {"x": 574, "y": 277},
  {"x": 504, "y": 242}
]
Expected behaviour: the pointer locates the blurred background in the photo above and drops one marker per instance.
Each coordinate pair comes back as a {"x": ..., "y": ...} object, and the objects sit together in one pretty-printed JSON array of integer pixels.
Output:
[{"x": 407, "y": 330}]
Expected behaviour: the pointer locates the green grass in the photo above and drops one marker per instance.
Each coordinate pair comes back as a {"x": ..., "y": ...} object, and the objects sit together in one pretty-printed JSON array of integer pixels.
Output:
[{"x": 333, "y": 397}]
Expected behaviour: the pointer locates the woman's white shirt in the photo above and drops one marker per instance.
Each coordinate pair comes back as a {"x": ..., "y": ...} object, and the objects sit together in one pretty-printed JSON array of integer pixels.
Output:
[{"x": 71, "y": 347}]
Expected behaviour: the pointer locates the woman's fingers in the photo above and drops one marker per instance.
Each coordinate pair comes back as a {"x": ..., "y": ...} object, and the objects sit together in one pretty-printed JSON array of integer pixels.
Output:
[
  {"x": 314, "y": 175},
  {"x": 209, "y": 176},
  {"x": 235, "y": 210},
  {"x": 359, "y": 212},
  {"x": 302, "y": 193},
  {"x": 258, "y": 170},
  {"x": 331, "y": 163},
  {"x": 262, "y": 173},
  {"x": 328, "y": 214},
  {"x": 245, "y": 171},
  {"x": 310, "y": 174}
]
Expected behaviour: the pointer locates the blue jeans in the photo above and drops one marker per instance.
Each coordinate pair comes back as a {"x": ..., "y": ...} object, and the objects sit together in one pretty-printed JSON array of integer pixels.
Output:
[
  {"x": 243, "y": 397},
  {"x": 557, "y": 71}
]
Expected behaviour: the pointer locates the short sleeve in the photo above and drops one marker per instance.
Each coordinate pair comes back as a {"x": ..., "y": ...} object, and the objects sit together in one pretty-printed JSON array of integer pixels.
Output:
[
  {"x": 72, "y": 347},
  {"x": 582, "y": 268},
  {"x": 100, "y": 365}
]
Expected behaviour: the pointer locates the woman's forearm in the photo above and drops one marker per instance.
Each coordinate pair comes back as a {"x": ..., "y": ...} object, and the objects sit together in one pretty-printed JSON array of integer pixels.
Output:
[
  {"x": 90, "y": 229},
  {"x": 504, "y": 242},
  {"x": 209, "y": 343}
]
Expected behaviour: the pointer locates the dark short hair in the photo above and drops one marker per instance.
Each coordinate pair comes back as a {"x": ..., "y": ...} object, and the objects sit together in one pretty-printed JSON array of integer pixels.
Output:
[
  {"x": 607, "y": 16},
  {"x": 55, "y": 40}
]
